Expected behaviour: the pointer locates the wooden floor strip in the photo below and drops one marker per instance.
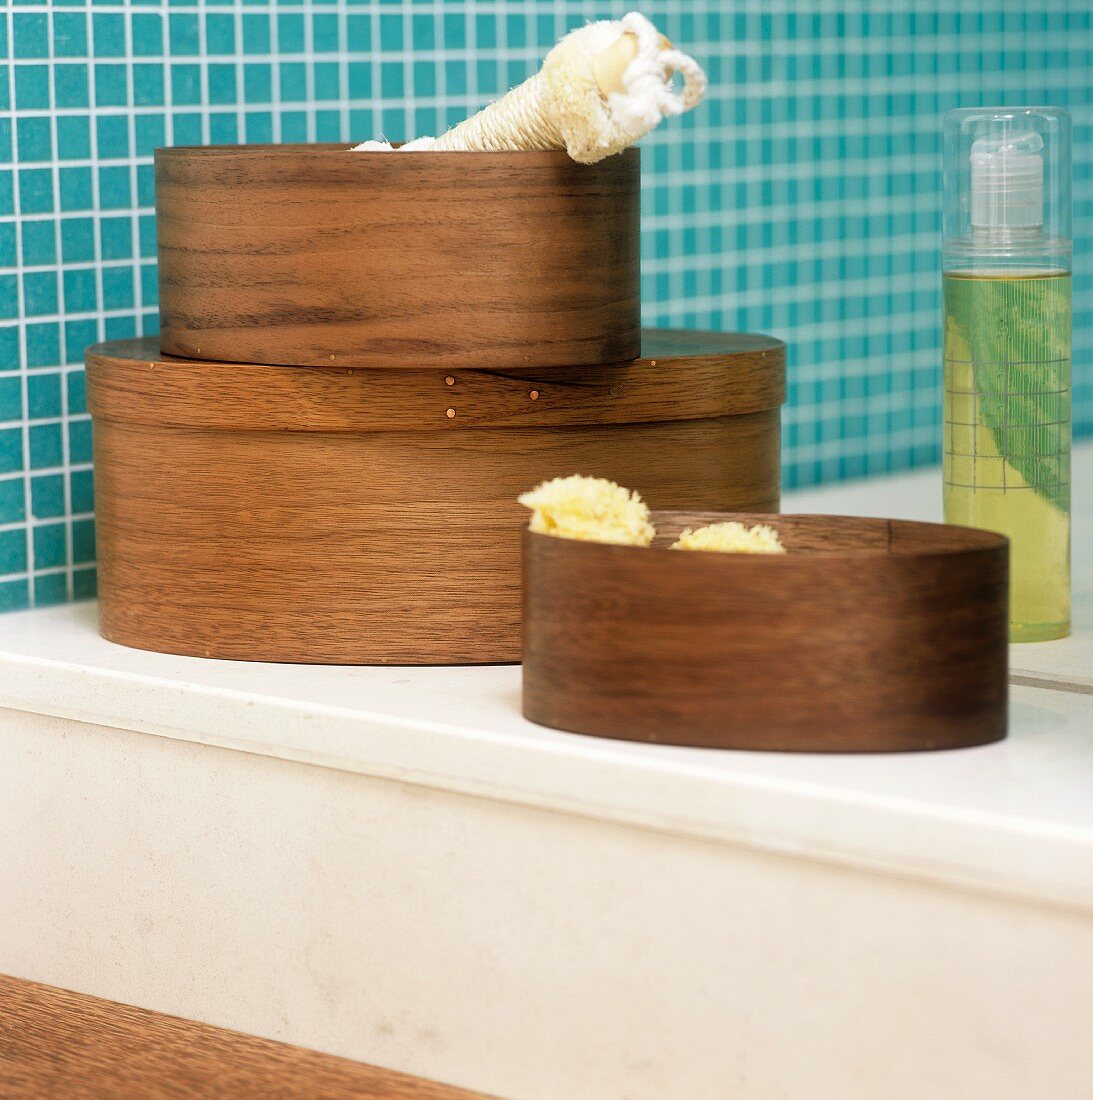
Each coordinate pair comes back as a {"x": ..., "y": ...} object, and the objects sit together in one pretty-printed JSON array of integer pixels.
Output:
[{"x": 54, "y": 1043}]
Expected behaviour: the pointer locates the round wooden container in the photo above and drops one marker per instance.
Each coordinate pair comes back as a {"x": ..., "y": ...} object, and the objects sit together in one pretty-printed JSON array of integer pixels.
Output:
[
  {"x": 347, "y": 516},
  {"x": 312, "y": 255},
  {"x": 868, "y": 635}
]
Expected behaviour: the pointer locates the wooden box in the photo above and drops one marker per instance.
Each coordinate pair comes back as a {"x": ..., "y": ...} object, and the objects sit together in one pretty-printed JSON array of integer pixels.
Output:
[
  {"x": 313, "y": 255},
  {"x": 369, "y": 516},
  {"x": 866, "y": 635}
]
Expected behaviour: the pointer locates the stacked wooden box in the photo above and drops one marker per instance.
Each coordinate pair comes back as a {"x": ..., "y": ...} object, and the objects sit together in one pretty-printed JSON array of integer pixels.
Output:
[{"x": 363, "y": 359}]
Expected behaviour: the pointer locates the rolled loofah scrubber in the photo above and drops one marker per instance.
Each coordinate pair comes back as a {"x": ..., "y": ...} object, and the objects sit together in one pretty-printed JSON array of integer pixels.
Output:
[{"x": 599, "y": 90}]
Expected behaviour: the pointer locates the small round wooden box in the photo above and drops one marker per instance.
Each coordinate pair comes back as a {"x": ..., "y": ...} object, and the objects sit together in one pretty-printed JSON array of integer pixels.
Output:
[
  {"x": 313, "y": 255},
  {"x": 370, "y": 516},
  {"x": 867, "y": 635}
]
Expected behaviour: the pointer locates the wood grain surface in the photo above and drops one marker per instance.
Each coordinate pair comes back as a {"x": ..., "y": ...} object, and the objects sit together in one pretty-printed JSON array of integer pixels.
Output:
[
  {"x": 240, "y": 515},
  {"x": 726, "y": 375},
  {"x": 312, "y": 255},
  {"x": 868, "y": 635},
  {"x": 57, "y": 1044}
]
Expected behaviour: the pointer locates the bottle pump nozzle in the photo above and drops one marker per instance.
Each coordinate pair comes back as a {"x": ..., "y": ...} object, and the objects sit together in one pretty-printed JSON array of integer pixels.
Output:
[{"x": 1007, "y": 184}]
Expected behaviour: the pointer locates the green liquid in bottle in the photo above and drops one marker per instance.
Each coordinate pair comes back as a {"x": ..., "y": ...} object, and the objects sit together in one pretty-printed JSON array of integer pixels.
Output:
[{"x": 1007, "y": 431}]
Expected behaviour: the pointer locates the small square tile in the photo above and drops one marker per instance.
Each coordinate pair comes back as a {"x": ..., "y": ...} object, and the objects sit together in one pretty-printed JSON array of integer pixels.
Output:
[
  {"x": 9, "y": 296},
  {"x": 77, "y": 240},
  {"x": 327, "y": 80},
  {"x": 84, "y": 584},
  {"x": 423, "y": 33},
  {"x": 77, "y": 188},
  {"x": 46, "y": 446},
  {"x": 151, "y": 134},
  {"x": 184, "y": 30},
  {"x": 78, "y": 336},
  {"x": 36, "y": 190},
  {"x": 9, "y": 348},
  {"x": 256, "y": 34},
  {"x": 39, "y": 293},
  {"x": 290, "y": 32},
  {"x": 325, "y": 35},
  {"x": 79, "y": 441},
  {"x": 50, "y": 589},
  {"x": 222, "y": 87},
  {"x": 114, "y": 188},
  {"x": 116, "y": 238},
  {"x": 47, "y": 496},
  {"x": 80, "y": 290},
  {"x": 111, "y": 85},
  {"x": 13, "y": 506},
  {"x": 11, "y": 398},
  {"x": 76, "y": 383},
  {"x": 32, "y": 87},
  {"x": 39, "y": 242},
  {"x": 293, "y": 82},
  {"x": 148, "y": 85},
  {"x": 83, "y": 541},
  {"x": 82, "y": 490},
  {"x": 328, "y": 126},
  {"x": 219, "y": 34},
  {"x": 293, "y": 126},
  {"x": 259, "y": 127},
  {"x": 50, "y": 551},
  {"x": 69, "y": 34},
  {"x": 112, "y": 136},
  {"x": 108, "y": 31},
  {"x": 13, "y": 551},
  {"x": 42, "y": 343},
  {"x": 34, "y": 138},
  {"x": 11, "y": 450},
  {"x": 71, "y": 87},
  {"x": 73, "y": 137},
  {"x": 146, "y": 33},
  {"x": 119, "y": 328},
  {"x": 185, "y": 84},
  {"x": 223, "y": 129},
  {"x": 14, "y": 595},
  {"x": 43, "y": 396},
  {"x": 392, "y": 76},
  {"x": 117, "y": 288}
]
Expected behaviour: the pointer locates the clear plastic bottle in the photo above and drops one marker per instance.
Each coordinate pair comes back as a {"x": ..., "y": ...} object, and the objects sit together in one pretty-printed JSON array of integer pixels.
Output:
[{"x": 1006, "y": 339}]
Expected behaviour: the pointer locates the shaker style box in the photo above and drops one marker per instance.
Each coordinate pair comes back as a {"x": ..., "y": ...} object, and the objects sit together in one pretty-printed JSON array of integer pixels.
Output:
[
  {"x": 363, "y": 359},
  {"x": 867, "y": 635},
  {"x": 342, "y": 515},
  {"x": 313, "y": 255}
]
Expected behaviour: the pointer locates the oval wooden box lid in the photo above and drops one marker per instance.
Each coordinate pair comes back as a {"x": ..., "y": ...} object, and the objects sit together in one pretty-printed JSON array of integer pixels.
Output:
[
  {"x": 868, "y": 635},
  {"x": 681, "y": 376},
  {"x": 309, "y": 255}
]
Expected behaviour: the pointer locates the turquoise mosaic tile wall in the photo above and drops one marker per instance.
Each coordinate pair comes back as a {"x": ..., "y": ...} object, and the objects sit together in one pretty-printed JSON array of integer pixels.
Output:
[{"x": 800, "y": 199}]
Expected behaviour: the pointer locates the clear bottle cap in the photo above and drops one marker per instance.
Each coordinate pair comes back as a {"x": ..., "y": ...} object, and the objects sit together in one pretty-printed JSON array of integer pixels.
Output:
[{"x": 1007, "y": 178}]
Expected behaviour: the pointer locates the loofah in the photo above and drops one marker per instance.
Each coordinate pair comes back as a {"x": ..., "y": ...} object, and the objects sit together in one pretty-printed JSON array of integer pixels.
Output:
[
  {"x": 599, "y": 90},
  {"x": 590, "y": 509},
  {"x": 731, "y": 538}
]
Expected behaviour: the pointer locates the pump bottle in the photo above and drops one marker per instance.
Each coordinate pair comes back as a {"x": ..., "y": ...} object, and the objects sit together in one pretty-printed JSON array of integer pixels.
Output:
[{"x": 1006, "y": 348}]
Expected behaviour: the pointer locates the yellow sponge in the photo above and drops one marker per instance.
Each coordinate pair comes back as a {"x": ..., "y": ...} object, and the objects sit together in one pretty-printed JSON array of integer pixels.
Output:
[
  {"x": 591, "y": 509},
  {"x": 732, "y": 538}
]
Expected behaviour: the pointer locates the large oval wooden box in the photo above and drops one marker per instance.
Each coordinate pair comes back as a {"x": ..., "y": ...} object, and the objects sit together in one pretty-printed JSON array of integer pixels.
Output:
[
  {"x": 867, "y": 635},
  {"x": 314, "y": 255},
  {"x": 348, "y": 516}
]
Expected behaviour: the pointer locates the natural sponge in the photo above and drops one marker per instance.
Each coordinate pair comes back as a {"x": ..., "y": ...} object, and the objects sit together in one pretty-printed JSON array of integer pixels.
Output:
[
  {"x": 591, "y": 509},
  {"x": 731, "y": 538}
]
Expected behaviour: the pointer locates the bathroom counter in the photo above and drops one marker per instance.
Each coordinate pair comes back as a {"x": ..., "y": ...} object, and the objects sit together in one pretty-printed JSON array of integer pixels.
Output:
[{"x": 390, "y": 864}]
